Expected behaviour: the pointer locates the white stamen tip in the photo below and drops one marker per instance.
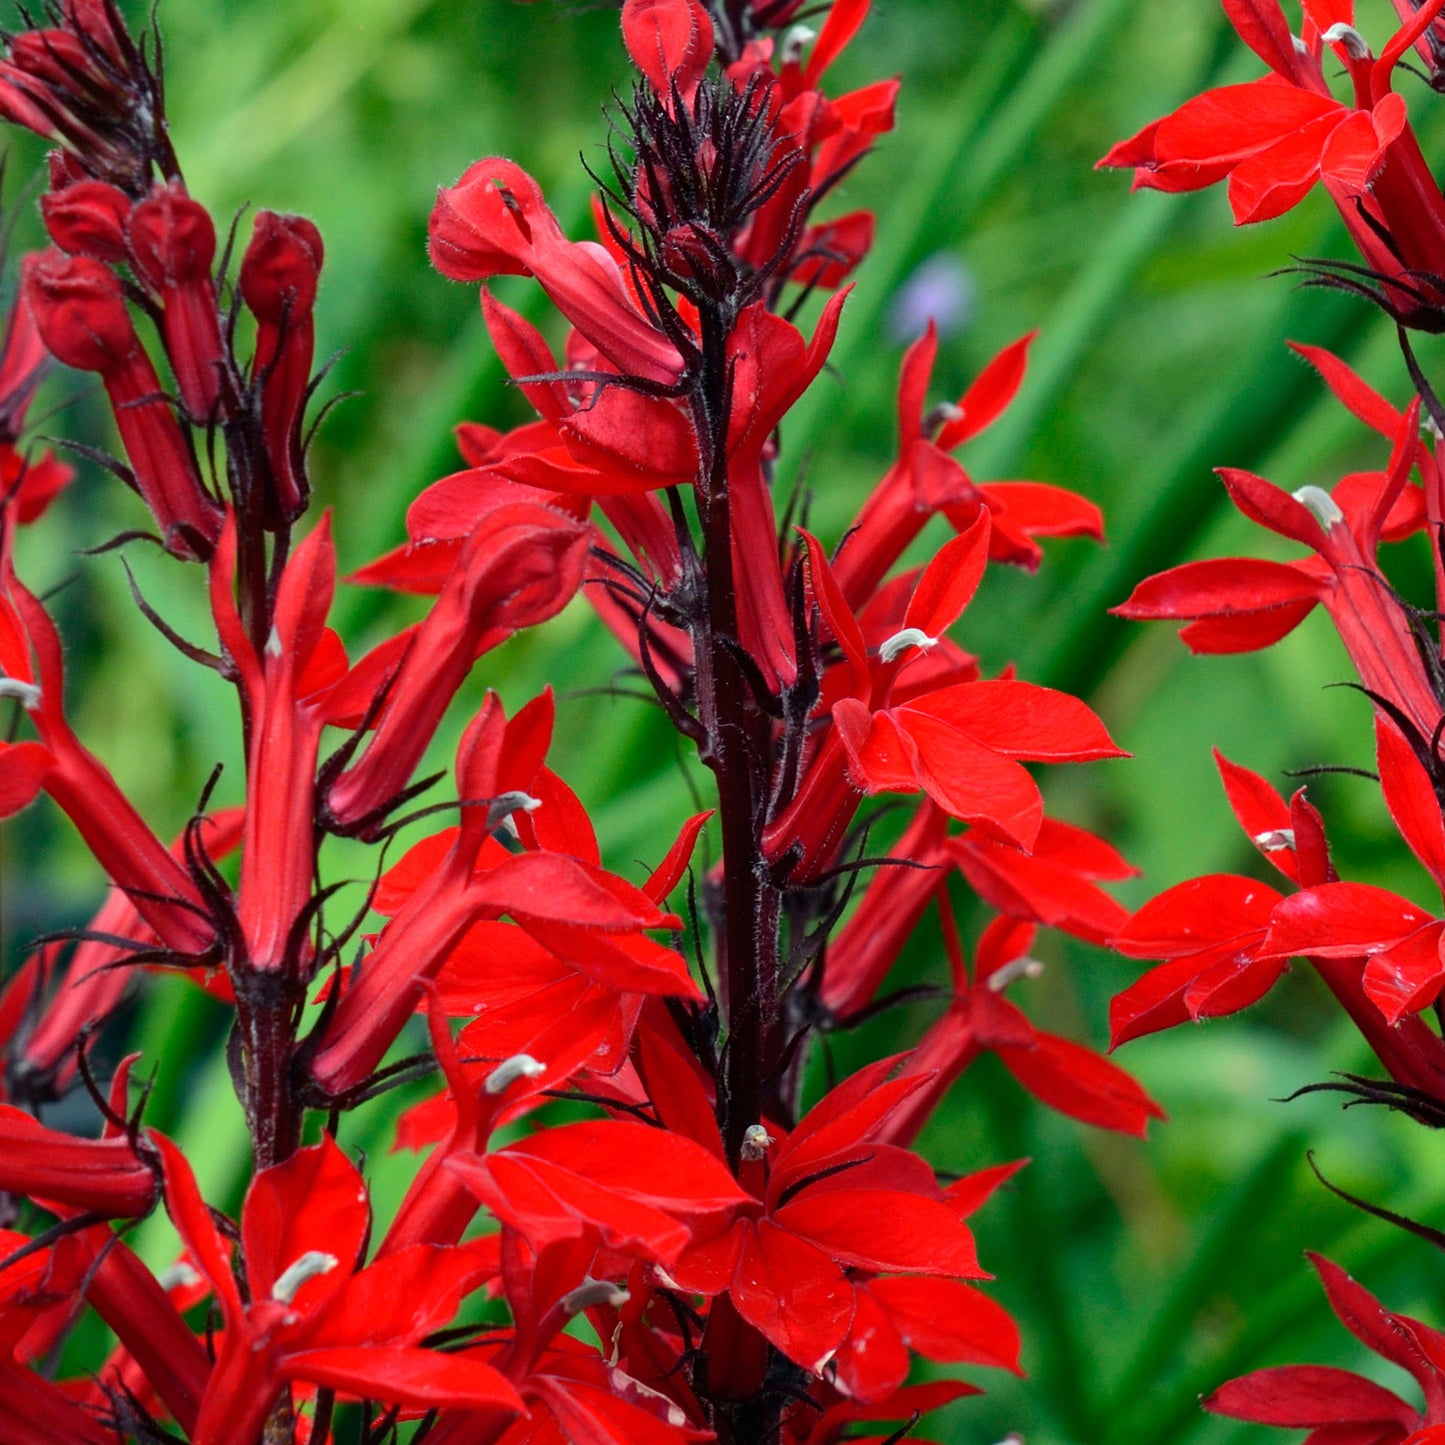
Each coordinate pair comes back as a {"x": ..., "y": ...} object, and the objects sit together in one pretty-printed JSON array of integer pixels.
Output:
[
  {"x": 902, "y": 641},
  {"x": 822, "y": 1363},
  {"x": 1273, "y": 840},
  {"x": 274, "y": 646},
  {"x": 179, "y": 1276},
  {"x": 796, "y": 41},
  {"x": 27, "y": 694},
  {"x": 501, "y": 808},
  {"x": 1014, "y": 969},
  {"x": 1431, "y": 428},
  {"x": 519, "y": 1066},
  {"x": 312, "y": 1263},
  {"x": 755, "y": 1141},
  {"x": 593, "y": 1292},
  {"x": 1355, "y": 44},
  {"x": 1321, "y": 505},
  {"x": 1300, "y": 48},
  {"x": 940, "y": 416}
]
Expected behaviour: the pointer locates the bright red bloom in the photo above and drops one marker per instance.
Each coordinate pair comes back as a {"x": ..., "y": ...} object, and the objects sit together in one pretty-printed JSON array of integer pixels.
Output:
[
  {"x": 315, "y": 1313},
  {"x": 1338, "y": 1404},
  {"x": 1276, "y": 137},
  {"x": 829, "y": 1197}
]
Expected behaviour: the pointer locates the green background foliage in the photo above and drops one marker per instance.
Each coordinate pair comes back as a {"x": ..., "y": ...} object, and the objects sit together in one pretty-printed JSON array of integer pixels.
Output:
[{"x": 1141, "y": 1274}]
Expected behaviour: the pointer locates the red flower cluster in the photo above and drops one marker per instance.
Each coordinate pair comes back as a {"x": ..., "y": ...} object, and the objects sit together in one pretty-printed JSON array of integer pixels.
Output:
[
  {"x": 1222, "y": 941},
  {"x": 753, "y": 1269}
]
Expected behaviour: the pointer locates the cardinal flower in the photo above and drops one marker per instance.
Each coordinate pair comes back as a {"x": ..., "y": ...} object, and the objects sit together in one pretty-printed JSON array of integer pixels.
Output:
[{"x": 313, "y": 1312}]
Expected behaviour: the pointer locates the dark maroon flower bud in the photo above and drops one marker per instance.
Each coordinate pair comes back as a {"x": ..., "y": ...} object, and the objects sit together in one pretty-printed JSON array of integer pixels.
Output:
[
  {"x": 87, "y": 218},
  {"x": 81, "y": 312},
  {"x": 172, "y": 247},
  {"x": 278, "y": 284}
]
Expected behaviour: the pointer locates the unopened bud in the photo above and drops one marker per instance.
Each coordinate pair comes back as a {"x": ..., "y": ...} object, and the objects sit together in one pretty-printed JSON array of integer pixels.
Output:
[
  {"x": 80, "y": 309},
  {"x": 756, "y": 1140},
  {"x": 519, "y": 1066},
  {"x": 281, "y": 266},
  {"x": 172, "y": 238},
  {"x": 311, "y": 1264},
  {"x": 1354, "y": 43},
  {"x": 27, "y": 694},
  {"x": 902, "y": 641},
  {"x": 1321, "y": 505},
  {"x": 1013, "y": 970},
  {"x": 88, "y": 218}
]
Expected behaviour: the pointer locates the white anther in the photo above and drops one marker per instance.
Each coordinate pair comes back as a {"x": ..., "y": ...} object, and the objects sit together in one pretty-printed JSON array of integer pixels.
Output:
[
  {"x": 312, "y": 1263},
  {"x": 796, "y": 41},
  {"x": 823, "y": 1363},
  {"x": 755, "y": 1141},
  {"x": 179, "y": 1276},
  {"x": 593, "y": 1292},
  {"x": 1300, "y": 48},
  {"x": 274, "y": 646},
  {"x": 902, "y": 641},
  {"x": 1014, "y": 969},
  {"x": 1431, "y": 428},
  {"x": 1356, "y": 47},
  {"x": 1274, "y": 840},
  {"x": 27, "y": 694},
  {"x": 1321, "y": 505},
  {"x": 1012, "y": 1438},
  {"x": 519, "y": 1066},
  {"x": 939, "y": 416},
  {"x": 501, "y": 808}
]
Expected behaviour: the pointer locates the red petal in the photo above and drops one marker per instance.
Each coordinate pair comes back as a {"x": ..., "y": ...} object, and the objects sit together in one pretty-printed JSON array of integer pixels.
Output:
[
  {"x": 1341, "y": 920},
  {"x": 670, "y": 41},
  {"x": 1262, "y": 27},
  {"x": 1078, "y": 1082},
  {"x": 950, "y": 580},
  {"x": 1197, "y": 914},
  {"x": 427, "y": 1379},
  {"x": 1410, "y": 797},
  {"x": 23, "y": 767},
  {"x": 1271, "y": 506},
  {"x": 1408, "y": 975},
  {"x": 1019, "y": 720},
  {"x": 315, "y": 1200},
  {"x": 985, "y": 401},
  {"x": 1359, "y": 397},
  {"x": 1305, "y": 1395},
  {"x": 1221, "y": 587},
  {"x": 949, "y": 1321},
  {"x": 883, "y": 1230},
  {"x": 1260, "y": 811},
  {"x": 792, "y": 1293}
]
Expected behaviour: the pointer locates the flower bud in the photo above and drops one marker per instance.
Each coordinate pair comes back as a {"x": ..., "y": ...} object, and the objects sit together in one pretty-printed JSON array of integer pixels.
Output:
[
  {"x": 81, "y": 313},
  {"x": 87, "y": 218},
  {"x": 278, "y": 284},
  {"x": 172, "y": 246}
]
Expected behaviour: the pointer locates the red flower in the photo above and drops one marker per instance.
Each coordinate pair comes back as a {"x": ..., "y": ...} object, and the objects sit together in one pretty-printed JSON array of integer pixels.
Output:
[
  {"x": 1338, "y": 1404},
  {"x": 828, "y": 1198},
  {"x": 315, "y": 1314},
  {"x": 1276, "y": 137}
]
